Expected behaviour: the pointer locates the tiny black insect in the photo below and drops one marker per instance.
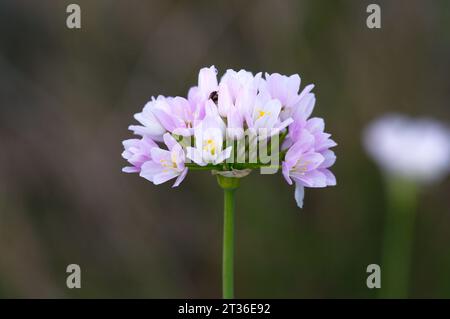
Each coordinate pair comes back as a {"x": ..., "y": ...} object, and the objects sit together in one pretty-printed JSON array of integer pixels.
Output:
[{"x": 214, "y": 96}]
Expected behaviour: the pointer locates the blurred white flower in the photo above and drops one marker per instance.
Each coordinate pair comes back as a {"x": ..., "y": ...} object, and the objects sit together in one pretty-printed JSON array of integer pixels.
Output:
[{"x": 415, "y": 149}]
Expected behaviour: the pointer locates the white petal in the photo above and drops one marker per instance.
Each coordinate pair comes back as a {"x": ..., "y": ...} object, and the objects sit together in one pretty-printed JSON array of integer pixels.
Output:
[
  {"x": 223, "y": 155},
  {"x": 164, "y": 177},
  {"x": 195, "y": 155},
  {"x": 169, "y": 141},
  {"x": 299, "y": 194},
  {"x": 225, "y": 102},
  {"x": 207, "y": 80},
  {"x": 180, "y": 178}
]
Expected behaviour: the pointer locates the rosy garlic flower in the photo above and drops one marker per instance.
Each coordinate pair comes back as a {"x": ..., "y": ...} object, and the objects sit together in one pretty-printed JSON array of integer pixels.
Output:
[
  {"x": 231, "y": 126},
  {"x": 137, "y": 152},
  {"x": 165, "y": 164}
]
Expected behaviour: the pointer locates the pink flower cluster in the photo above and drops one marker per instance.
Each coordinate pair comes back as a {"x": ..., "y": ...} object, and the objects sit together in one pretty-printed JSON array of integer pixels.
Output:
[{"x": 217, "y": 112}]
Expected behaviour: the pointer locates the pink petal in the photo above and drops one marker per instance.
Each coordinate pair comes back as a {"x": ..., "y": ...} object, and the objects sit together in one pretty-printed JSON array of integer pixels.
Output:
[
  {"x": 330, "y": 159},
  {"x": 315, "y": 124},
  {"x": 169, "y": 141},
  {"x": 331, "y": 179},
  {"x": 285, "y": 170},
  {"x": 314, "y": 178},
  {"x": 150, "y": 169},
  {"x": 158, "y": 154},
  {"x": 164, "y": 176},
  {"x": 180, "y": 178},
  {"x": 130, "y": 169}
]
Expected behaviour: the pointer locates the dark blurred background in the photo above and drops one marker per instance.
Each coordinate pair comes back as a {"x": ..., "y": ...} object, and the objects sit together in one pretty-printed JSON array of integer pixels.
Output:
[{"x": 68, "y": 96}]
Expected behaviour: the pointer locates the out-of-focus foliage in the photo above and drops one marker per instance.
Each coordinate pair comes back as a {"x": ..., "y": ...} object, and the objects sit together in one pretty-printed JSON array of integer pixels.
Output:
[{"x": 67, "y": 97}]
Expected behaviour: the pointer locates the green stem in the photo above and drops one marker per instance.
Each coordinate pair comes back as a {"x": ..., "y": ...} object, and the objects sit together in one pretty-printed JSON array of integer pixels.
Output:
[
  {"x": 229, "y": 186},
  {"x": 398, "y": 239},
  {"x": 228, "y": 245}
]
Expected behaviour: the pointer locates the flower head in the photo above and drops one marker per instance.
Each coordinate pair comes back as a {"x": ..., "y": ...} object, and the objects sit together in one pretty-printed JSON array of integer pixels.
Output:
[
  {"x": 232, "y": 126},
  {"x": 414, "y": 149}
]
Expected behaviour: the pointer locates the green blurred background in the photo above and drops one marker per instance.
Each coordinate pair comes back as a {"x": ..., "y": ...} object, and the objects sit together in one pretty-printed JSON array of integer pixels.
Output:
[{"x": 68, "y": 96}]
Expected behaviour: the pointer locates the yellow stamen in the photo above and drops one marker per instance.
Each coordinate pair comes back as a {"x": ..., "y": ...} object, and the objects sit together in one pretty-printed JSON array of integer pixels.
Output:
[
  {"x": 210, "y": 146},
  {"x": 260, "y": 114},
  {"x": 300, "y": 167},
  {"x": 169, "y": 164}
]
